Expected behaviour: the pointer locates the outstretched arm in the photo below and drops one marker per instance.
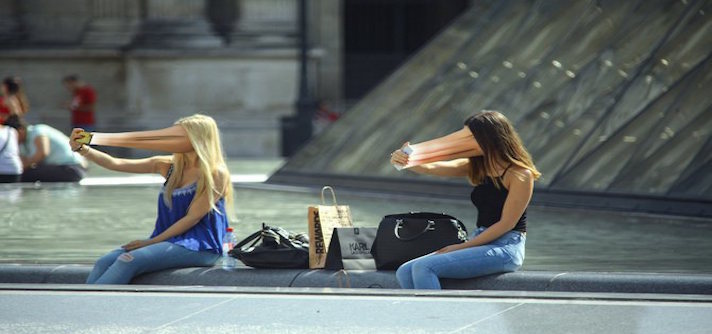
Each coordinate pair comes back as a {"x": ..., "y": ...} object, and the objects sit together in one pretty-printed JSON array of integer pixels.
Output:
[
  {"x": 173, "y": 139},
  {"x": 156, "y": 164},
  {"x": 451, "y": 168}
]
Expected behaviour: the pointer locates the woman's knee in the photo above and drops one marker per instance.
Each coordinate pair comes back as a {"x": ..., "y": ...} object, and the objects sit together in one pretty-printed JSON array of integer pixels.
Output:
[
  {"x": 113, "y": 261},
  {"x": 421, "y": 267},
  {"x": 512, "y": 267},
  {"x": 108, "y": 259},
  {"x": 126, "y": 263},
  {"x": 404, "y": 275},
  {"x": 405, "y": 270}
]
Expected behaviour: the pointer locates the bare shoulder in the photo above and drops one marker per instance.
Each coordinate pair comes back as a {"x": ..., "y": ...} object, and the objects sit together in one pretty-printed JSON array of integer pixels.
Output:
[
  {"x": 519, "y": 175},
  {"x": 221, "y": 175}
]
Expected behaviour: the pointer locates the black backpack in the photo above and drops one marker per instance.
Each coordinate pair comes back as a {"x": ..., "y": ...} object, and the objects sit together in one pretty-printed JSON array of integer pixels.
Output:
[{"x": 278, "y": 249}]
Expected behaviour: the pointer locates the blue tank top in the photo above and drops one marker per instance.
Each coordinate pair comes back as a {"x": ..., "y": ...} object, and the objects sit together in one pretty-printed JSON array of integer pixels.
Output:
[{"x": 206, "y": 235}]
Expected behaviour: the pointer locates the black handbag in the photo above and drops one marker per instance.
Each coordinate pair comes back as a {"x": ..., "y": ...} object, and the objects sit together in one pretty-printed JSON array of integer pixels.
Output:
[
  {"x": 406, "y": 236},
  {"x": 350, "y": 249},
  {"x": 279, "y": 249}
]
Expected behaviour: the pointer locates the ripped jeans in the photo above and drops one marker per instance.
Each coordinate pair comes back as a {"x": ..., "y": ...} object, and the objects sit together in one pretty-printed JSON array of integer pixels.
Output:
[
  {"x": 120, "y": 266},
  {"x": 505, "y": 254}
]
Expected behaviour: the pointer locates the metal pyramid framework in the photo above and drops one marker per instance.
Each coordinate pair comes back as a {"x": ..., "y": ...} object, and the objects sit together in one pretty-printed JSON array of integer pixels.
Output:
[{"x": 610, "y": 97}]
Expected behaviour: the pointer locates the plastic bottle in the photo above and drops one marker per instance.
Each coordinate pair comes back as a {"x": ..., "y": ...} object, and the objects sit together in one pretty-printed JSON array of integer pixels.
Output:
[{"x": 229, "y": 241}]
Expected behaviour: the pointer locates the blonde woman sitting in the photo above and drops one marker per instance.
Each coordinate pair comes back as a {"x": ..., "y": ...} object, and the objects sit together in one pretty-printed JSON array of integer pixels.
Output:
[{"x": 193, "y": 206}]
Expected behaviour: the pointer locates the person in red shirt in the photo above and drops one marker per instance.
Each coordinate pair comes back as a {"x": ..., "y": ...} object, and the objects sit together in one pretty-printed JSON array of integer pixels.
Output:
[
  {"x": 83, "y": 103},
  {"x": 4, "y": 110}
]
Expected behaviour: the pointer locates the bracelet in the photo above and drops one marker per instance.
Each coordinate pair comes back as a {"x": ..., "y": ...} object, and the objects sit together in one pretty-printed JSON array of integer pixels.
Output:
[{"x": 79, "y": 148}]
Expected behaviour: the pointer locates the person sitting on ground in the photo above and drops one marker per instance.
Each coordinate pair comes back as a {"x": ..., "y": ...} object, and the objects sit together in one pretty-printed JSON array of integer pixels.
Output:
[
  {"x": 503, "y": 174},
  {"x": 44, "y": 153},
  {"x": 193, "y": 206},
  {"x": 10, "y": 163},
  {"x": 83, "y": 102},
  {"x": 13, "y": 100}
]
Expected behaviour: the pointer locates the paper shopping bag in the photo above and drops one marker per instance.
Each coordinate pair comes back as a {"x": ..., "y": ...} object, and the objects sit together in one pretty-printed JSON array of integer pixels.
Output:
[{"x": 322, "y": 219}]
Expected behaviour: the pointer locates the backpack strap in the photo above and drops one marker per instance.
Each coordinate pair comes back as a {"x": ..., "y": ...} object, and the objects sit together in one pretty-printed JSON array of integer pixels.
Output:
[{"x": 253, "y": 238}]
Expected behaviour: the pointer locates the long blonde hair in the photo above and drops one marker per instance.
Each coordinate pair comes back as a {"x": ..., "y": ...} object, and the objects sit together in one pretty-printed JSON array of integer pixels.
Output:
[
  {"x": 499, "y": 143},
  {"x": 204, "y": 136}
]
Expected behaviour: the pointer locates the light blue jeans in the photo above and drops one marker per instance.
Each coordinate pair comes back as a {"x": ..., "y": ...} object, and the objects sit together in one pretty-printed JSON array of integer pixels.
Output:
[
  {"x": 505, "y": 254},
  {"x": 120, "y": 266}
]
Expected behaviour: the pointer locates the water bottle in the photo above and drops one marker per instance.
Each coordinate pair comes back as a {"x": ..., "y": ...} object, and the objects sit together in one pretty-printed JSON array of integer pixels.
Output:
[{"x": 229, "y": 241}]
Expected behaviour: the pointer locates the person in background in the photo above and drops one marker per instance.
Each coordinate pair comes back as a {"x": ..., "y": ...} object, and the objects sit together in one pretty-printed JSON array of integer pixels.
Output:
[
  {"x": 13, "y": 100},
  {"x": 4, "y": 110},
  {"x": 45, "y": 155},
  {"x": 83, "y": 104},
  {"x": 193, "y": 206},
  {"x": 10, "y": 163}
]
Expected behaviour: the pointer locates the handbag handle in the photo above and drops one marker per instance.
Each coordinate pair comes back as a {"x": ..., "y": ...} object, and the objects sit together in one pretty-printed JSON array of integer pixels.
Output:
[
  {"x": 333, "y": 195},
  {"x": 254, "y": 238},
  {"x": 399, "y": 225}
]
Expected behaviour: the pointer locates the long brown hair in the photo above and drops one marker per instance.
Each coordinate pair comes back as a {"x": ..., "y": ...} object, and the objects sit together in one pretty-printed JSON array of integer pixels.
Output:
[{"x": 500, "y": 143}]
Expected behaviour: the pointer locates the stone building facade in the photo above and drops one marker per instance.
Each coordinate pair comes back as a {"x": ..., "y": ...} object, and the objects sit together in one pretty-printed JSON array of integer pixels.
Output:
[{"x": 153, "y": 61}]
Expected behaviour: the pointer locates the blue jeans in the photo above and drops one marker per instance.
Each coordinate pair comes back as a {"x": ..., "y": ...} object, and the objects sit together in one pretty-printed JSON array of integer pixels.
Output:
[
  {"x": 120, "y": 266},
  {"x": 505, "y": 254}
]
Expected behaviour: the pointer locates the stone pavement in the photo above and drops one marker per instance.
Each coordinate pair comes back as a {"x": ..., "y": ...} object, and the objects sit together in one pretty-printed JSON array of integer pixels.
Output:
[{"x": 47, "y": 308}]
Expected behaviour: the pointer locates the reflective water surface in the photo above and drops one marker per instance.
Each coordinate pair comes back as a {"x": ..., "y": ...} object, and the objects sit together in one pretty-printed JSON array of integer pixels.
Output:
[{"x": 76, "y": 224}]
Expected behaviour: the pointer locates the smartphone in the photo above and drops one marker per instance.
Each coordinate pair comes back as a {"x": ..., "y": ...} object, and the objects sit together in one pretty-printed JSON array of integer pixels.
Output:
[
  {"x": 85, "y": 138},
  {"x": 407, "y": 150}
]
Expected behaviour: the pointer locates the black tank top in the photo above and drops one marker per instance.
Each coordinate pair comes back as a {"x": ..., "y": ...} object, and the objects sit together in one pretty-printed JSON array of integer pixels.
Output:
[{"x": 489, "y": 202}]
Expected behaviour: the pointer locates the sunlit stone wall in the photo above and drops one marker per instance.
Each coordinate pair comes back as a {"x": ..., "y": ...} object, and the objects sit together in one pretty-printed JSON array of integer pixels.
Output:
[{"x": 152, "y": 61}]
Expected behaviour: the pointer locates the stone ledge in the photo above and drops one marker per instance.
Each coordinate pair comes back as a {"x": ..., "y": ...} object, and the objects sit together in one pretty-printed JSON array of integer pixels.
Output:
[{"x": 610, "y": 282}]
